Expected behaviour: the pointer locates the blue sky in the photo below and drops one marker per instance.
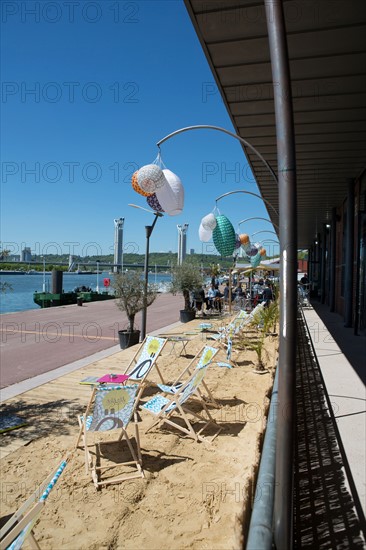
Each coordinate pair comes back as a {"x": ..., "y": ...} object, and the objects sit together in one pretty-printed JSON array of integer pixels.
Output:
[{"x": 88, "y": 89}]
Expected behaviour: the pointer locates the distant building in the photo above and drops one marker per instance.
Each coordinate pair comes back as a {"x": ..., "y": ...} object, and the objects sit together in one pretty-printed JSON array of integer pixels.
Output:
[
  {"x": 118, "y": 245},
  {"x": 26, "y": 255},
  {"x": 191, "y": 251},
  {"x": 182, "y": 242}
]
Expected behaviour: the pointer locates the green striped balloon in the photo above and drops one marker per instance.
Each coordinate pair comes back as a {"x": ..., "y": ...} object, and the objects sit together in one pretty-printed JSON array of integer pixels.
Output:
[{"x": 224, "y": 236}]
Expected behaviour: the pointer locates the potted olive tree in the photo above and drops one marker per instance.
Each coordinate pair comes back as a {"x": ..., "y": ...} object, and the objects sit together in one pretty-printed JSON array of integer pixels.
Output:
[
  {"x": 185, "y": 279},
  {"x": 129, "y": 290}
]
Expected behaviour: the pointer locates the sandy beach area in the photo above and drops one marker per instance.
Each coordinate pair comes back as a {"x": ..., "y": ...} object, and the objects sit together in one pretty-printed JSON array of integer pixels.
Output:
[{"x": 194, "y": 495}]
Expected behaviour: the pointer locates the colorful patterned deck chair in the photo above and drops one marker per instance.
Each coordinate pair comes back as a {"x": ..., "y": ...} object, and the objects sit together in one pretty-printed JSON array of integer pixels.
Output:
[
  {"x": 241, "y": 319},
  {"x": 144, "y": 360},
  {"x": 20, "y": 525},
  {"x": 113, "y": 407},
  {"x": 203, "y": 357},
  {"x": 164, "y": 408}
]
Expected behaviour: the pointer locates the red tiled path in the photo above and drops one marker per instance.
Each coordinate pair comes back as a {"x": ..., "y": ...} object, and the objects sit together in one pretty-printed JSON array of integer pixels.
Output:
[{"x": 37, "y": 341}]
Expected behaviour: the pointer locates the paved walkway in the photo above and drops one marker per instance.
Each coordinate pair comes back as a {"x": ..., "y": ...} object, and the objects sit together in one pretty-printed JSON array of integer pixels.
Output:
[
  {"x": 38, "y": 341},
  {"x": 341, "y": 356}
]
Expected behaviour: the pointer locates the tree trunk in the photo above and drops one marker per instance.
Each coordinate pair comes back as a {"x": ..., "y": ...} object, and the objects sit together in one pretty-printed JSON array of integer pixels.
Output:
[
  {"x": 131, "y": 320},
  {"x": 187, "y": 303}
]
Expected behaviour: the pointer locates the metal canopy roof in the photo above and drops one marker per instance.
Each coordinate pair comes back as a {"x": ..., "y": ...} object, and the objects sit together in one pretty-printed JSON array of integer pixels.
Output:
[{"x": 327, "y": 53}]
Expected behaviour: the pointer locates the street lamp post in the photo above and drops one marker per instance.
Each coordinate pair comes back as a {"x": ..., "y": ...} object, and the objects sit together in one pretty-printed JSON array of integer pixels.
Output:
[{"x": 149, "y": 229}]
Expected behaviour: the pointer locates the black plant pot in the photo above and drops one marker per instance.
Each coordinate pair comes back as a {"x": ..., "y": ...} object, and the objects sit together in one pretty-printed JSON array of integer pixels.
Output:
[
  {"x": 187, "y": 315},
  {"x": 128, "y": 339}
]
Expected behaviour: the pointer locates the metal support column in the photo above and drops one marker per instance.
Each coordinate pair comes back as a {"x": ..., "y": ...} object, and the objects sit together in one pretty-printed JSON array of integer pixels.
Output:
[
  {"x": 332, "y": 274},
  {"x": 283, "y": 512},
  {"x": 310, "y": 266},
  {"x": 348, "y": 287},
  {"x": 324, "y": 266}
]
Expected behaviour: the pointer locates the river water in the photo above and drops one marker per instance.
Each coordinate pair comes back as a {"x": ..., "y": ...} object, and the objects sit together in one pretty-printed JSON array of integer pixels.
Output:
[{"x": 20, "y": 296}]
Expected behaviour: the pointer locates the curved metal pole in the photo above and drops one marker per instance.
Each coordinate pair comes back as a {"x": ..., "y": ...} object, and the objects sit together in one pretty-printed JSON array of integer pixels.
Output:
[
  {"x": 270, "y": 241},
  {"x": 209, "y": 127},
  {"x": 257, "y": 218},
  {"x": 248, "y": 193},
  {"x": 264, "y": 231}
]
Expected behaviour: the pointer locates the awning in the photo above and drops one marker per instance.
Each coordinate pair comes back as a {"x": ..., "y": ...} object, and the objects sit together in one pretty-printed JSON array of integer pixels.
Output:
[{"x": 327, "y": 52}]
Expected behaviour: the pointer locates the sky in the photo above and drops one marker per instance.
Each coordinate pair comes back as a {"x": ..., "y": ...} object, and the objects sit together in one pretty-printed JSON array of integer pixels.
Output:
[{"x": 88, "y": 89}]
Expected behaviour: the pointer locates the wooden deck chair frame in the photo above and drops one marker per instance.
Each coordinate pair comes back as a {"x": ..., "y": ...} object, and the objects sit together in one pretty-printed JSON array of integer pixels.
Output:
[
  {"x": 144, "y": 361},
  {"x": 194, "y": 364},
  {"x": 22, "y": 522},
  {"x": 177, "y": 406},
  {"x": 91, "y": 466}
]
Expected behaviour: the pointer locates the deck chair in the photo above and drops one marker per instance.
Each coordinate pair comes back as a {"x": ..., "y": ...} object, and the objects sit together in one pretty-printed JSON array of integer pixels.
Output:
[
  {"x": 164, "y": 408},
  {"x": 233, "y": 326},
  {"x": 110, "y": 408},
  {"x": 20, "y": 525},
  {"x": 202, "y": 358},
  {"x": 144, "y": 360},
  {"x": 224, "y": 338}
]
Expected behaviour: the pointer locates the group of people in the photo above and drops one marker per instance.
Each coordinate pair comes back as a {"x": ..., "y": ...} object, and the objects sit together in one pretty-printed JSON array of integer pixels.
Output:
[
  {"x": 261, "y": 291},
  {"x": 214, "y": 299}
]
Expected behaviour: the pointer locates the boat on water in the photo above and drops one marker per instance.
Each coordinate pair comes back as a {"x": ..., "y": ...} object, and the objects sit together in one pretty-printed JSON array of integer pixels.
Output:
[
  {"x": 9, "y": 272},
  {"x": 53, "y": 299},
  {"x": 57, "y": 296}
]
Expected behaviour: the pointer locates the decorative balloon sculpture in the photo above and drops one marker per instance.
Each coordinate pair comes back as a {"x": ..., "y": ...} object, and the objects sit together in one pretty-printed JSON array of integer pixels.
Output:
[
  {"x": 163, "y": 190},
  {"x": 221, "y": 230},
  {"x": 226, "y": 240},
  {"x": 254, "y": 252},
  {"x": 150, "y": 178}
]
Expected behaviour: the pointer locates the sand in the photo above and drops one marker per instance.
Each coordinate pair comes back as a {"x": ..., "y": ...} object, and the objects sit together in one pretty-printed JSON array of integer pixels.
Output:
[{"x": 194, "y": 495}]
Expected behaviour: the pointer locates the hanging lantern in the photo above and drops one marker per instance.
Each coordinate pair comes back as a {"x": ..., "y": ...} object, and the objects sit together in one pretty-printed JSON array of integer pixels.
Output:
[
  {"x": 136, "y": 186},
  {"x": 204, "y": 234},
  {"x": 244, "y": 238},
  {"x": 237, "y": 241},
  {"x": 262, "y": 252},
  {"x": 255, "y": 260},
  {"x": 253, "y": 250},
  {"x": 209, "y": 222},
  {"x": 171, "y": 195},
  {"x": 150, "y": 178},
  {"x": 224, "y": 236},
  {"x": 153, "y": 202}
]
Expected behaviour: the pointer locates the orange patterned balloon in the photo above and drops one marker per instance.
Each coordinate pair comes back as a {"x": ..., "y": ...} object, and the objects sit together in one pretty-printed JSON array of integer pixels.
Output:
[
  {"x": 244, "y": 238},
  {"x": 262, "y": 252},
  {"x": 136, "y": 186}
]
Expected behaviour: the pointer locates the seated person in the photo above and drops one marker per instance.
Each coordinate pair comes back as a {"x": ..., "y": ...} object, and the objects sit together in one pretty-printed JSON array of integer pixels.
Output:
[
  {"x": 226, "y": 293},
  {"x": 198, "y": 298},
  {"x": 267, "y": 295},
  {"x": 239, "y": 290},
  {"x": 217, "y": 298},
  {"x": 211, "y": 295}
]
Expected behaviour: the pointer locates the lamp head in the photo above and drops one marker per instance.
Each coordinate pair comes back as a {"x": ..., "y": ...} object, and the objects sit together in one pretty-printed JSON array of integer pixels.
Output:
[{"x": 158, "y": 214}]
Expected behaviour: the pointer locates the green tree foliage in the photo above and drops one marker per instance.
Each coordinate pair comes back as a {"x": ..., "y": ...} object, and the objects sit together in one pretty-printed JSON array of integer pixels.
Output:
[
  {"x": 185, "y": 279},
  {"x": 129, "y": 289}
]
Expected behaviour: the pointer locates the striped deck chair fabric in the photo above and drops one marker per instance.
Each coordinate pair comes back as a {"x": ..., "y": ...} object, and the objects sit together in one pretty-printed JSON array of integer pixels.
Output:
[
  {"x": 21, "y": 524},
  {"x": 164, "y": 408},
  {"x": 110, "y": 408},
  {"x": 145, "y": 359}
]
